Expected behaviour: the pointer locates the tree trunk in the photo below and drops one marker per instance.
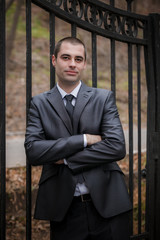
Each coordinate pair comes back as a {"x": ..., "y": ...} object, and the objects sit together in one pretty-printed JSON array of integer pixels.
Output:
[
  {"x": 8, "y": 4},
  {"x": 12, "y": 33}
]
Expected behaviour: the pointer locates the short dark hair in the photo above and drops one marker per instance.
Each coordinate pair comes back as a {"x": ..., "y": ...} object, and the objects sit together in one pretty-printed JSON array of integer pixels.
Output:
[{"x": 72, "y": 40}]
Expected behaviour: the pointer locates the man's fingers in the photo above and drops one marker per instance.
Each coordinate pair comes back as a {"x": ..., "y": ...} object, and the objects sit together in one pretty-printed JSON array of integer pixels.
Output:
[
  {"x": 91, "y": 139},
  {"x": 60, "y": 162}
]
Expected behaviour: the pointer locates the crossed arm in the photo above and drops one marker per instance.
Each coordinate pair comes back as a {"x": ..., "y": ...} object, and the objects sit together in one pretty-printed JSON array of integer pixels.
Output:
[
  {"x": 101, "y": 149},
  {"x": 91, "y": 139}
]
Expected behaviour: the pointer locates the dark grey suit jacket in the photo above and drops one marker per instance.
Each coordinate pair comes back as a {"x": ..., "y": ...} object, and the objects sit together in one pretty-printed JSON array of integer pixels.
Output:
[{"x": 50, "y": 137}]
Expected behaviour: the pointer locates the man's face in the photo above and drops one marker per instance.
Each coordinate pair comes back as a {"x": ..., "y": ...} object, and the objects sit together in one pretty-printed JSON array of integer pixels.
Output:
[{"x": 69, "y": 64}]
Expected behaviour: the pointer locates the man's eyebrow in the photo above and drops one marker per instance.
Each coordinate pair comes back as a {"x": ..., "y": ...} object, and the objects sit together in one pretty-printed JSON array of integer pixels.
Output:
[
  {"x": 80, "y": 57},
  {"x": 68, "y": 55},
  {"x": 65, "y": 54}
]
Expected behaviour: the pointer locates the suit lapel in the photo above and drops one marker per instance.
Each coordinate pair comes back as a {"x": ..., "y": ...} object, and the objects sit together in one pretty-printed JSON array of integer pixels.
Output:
[
  {"x": 54, "y": 97},
  {"x": 82, "y": 99}
]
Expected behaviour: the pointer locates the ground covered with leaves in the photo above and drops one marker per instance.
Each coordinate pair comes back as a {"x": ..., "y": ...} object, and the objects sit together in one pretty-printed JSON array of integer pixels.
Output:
[{"x": 16, "y": 200}]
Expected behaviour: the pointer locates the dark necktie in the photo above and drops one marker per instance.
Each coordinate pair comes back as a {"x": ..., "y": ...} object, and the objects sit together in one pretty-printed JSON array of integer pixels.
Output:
[{"x": 69, "y": 106}]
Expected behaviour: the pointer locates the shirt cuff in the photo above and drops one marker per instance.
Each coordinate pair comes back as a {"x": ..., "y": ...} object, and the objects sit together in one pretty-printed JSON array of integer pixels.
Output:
[
  {"x": 65, "y": 162},
  {"x": 84, "y": 144},
  {"x": 85, "y": 140}
]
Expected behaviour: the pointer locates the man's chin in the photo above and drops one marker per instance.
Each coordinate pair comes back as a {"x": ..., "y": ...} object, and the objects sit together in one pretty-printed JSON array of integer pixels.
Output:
[{"x": 72, "y": 81}]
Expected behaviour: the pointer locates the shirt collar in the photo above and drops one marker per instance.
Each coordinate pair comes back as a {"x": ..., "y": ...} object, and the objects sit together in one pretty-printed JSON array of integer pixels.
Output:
[{"x": 74, "y": 92}]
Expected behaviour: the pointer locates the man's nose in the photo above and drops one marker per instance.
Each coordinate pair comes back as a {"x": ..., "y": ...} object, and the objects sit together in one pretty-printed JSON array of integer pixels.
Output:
[{"x": 73, "y": 63}]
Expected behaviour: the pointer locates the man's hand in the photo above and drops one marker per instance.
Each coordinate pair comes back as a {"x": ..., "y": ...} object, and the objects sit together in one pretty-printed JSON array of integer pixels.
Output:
[
  {"x": 91, "y": 139},
  {"x": 60, "y": 162}
]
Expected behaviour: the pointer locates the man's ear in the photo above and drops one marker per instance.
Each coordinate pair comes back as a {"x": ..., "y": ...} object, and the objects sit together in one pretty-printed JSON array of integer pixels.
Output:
[{"x": 53, "y": 60}]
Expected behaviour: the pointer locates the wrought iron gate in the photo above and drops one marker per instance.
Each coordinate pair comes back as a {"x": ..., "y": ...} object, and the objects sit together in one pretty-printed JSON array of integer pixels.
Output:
[{"x": 137, "y": 32}]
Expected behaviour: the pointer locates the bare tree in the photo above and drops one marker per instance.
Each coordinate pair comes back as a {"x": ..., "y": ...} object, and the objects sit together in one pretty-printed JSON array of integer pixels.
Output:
[
  {"x": 8, "y": 4},
  {"x": 12, "y": 33}
]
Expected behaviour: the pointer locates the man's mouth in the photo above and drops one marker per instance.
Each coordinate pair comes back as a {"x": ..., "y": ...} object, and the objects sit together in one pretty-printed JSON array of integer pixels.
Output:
[{"x": 70, "y": 72}]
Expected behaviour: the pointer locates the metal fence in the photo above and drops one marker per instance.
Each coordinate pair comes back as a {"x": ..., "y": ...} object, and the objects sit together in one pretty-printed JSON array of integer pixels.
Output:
[
  {"x": 2, "y": 121},
  {"x": 141, "y": 34}
]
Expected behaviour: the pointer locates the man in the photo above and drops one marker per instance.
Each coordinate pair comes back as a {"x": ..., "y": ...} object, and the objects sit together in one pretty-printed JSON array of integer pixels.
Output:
[{"x": 78, "y": 140}]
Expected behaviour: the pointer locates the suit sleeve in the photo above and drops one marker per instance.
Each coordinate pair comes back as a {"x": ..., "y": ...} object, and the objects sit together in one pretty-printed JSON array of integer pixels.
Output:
[
  {"x": 41, "y": 151},
  {"x": 112, "y": 146}
]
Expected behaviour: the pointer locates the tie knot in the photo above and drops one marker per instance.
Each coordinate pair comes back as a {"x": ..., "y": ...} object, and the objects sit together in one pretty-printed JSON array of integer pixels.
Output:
[{"x": 69, "y": 97}]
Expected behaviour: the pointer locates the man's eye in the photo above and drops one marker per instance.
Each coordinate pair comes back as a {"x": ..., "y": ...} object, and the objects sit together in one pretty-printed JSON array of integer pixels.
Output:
[
  {"x": 65, "y": 58},
  {"x": 79, "y": 59}
]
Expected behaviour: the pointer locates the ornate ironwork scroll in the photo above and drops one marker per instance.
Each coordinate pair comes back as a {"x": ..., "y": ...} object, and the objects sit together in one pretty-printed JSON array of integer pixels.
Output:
[{"x": 101, "y": 18}]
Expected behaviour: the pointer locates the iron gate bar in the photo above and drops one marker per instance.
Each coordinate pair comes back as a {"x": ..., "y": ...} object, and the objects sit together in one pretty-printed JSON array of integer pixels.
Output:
[
  {"x": 94, "y": 59},
  {"x": 113, "y": 62},
  {"x": 52, "y": 44},
  {"x": 155, "y": 134},
  {"x": 156, "y": 52},
  {"x": 146, "y": 57},
  {"x": 73, "y": 25},
  {"x": 112, "y": 3},
  {"x": 73, "y": 29},
  {"x": 130, "y": 110},
  {"x": 129, "y": 2},
  {"x": 139, "y": 134},
  {"x": 153, "y": 138},
  {"x": 28, "y": 98},
  {"x": 113, "y": 67},
  {"x": 2, "y": 124},
  {"x": 156, "y": 19},
  {"x": 70, "y": 17}
]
